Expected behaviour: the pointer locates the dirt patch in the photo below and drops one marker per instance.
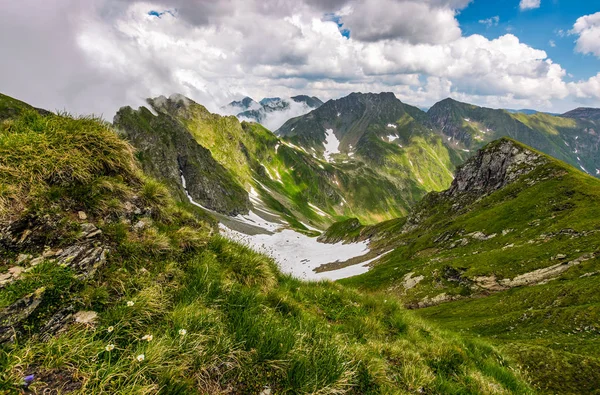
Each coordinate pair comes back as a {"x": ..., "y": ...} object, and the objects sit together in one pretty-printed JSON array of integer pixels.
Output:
[{"x": 53, "y": 382}]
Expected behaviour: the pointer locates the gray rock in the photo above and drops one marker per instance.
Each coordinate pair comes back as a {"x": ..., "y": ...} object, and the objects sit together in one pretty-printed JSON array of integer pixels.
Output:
[
  {"x": 12, "y": 316},
  {"x": 23, "y": 257}
]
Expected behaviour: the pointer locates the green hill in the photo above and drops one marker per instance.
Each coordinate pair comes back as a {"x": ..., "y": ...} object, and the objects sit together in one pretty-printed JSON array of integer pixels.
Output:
[
  {"x": 572, "y": 140},
  {"x": 109, "y": 285},
  {"x": 509, "y": 253},
  {"x": 292, "y": 181}
]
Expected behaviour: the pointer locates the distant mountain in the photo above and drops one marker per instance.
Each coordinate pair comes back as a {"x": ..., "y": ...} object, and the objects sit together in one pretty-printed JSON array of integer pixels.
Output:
[
  {"x": 465, "y": 126},
  {"x": 529, "y": 111},
  {"x": 245, "y": 104},
  {"x": 589, "y": 114},
  {"x": 250, "y": 162},
  {"x": 272, "y": 107},
  {"x": 350, "y": 119}
]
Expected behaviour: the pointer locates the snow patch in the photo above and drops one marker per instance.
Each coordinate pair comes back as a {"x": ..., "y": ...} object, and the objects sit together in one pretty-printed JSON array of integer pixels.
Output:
[
  {"x": 277, "y": 147},
  {"x": 467, "y": 119},
  {"x": 331, "y": 144},
  {"x": 298, "y": 254},
  {"x": 339, "y": 113},
  {"x": 318, "y": 210},
  {"x": 391, "y": 138},
  {"x": 391, "y": 125}
]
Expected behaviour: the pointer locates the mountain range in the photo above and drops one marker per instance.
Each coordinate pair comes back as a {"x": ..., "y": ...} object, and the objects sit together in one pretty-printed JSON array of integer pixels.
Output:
[
  {"x": 466, "y": 241},
  {"x": 250, "y": 110}
]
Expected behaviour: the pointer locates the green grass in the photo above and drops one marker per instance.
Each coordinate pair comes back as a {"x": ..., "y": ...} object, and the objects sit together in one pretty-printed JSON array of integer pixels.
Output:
[
  {"x": 552, "y": 211},
  {"x": 246, "y": 326},
  {"x": 249, "y": 327}
]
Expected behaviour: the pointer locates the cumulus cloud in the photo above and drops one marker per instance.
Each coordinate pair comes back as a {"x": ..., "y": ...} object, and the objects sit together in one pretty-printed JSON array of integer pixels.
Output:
[
  {"x": 588, "y": 29},
  {"x": 413, "y": 21},
  {"x": 98, "y": 56},
  {"x": 529, "y": 4},
  {"x": 588, "y": 90}
]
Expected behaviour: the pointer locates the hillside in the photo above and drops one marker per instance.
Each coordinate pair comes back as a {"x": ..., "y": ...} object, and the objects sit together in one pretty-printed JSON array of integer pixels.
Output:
[
  {"x": 379, "y": 132},
  {"x": 286, "y": 180},
  {"x": 575, "y": 141},
  {"x": 509, "y": 253},
  {"x": 589, "y": 114},
  {"x": 108, "y": 285}
]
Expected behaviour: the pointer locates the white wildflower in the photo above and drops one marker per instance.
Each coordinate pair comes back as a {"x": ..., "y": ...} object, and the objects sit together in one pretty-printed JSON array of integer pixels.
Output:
[
  {"x": 182, "y": 332},
  {"x": 110, "y": 329},
  {"x": 130, "y": 303},
  {"x": 140, "y": 357},
  {"x": 109, "y": 347},
  {"x": 148, "y": 338}
]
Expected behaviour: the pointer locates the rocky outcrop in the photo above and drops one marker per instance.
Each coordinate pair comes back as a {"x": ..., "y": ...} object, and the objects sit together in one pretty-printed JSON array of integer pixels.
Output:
[{"x": 493, "y": 167}]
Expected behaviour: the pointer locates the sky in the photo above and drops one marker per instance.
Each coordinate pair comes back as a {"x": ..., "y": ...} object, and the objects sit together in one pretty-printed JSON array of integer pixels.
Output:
[{"x": 97, "y": 56}]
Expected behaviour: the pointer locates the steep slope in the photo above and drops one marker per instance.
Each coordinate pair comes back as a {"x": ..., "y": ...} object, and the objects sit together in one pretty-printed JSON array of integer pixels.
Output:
[
  {"x": 465, "y": 126},
  {"x": 168, "y": 151},
  {"x": 381, "y": 133},
  {"x": 509, "y": 251},
  {"x": 280, "y": 177},
  {"x": 107, "y": 285}
]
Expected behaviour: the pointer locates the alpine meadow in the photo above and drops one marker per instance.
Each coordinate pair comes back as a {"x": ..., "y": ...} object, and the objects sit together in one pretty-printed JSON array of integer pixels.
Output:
[{"x": 300, "y": 197}]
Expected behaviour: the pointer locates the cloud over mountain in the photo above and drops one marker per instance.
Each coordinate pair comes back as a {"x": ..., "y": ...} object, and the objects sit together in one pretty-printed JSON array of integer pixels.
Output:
[{"x": 116, "y": 52}]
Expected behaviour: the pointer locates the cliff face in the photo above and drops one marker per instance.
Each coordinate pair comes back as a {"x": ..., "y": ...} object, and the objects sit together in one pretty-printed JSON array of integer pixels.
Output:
[
  {"x": 494, "y": 167},
  {"x": 167, "y": 151}
]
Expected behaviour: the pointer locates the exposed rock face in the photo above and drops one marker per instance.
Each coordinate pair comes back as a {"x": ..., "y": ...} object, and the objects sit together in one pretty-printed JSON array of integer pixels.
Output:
[
  {"x": 493, "y": 168},
  {"x": 167, "y": 151},
  {"x": 19, "y": 311}
]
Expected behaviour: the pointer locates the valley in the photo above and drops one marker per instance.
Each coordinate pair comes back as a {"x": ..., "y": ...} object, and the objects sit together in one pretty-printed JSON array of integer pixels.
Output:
[{"x": 468, "y": 258}]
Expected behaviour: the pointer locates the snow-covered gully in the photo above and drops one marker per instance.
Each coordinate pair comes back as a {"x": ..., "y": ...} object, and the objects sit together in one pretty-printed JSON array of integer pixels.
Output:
[{"x": 295, "y": 253}]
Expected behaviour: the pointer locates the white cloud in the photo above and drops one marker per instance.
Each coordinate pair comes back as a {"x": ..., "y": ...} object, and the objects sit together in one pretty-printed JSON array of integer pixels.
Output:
[
  {"x": 588, "y": 29},
  {"x": 112, "y": 53},
  {"x": 588, "y": 90},
  {"x": 411, "y": 20},
  {"x": 489, "y": 22},
  {"x": 529, "y": 4},
  {"x": 552, "y": 43}
]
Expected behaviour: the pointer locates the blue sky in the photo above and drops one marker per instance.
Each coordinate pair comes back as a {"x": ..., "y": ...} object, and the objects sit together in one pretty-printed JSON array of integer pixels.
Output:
[{"x": 536, "y": 28}]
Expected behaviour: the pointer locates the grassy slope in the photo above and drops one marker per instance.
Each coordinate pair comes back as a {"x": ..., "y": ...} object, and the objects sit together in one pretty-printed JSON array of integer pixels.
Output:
[
  {"x": 543, "y": 218},
  {"x": 288, "y": 177},
  {"x": 573, "y": 141},
  {"x": 246, "y": 325}
]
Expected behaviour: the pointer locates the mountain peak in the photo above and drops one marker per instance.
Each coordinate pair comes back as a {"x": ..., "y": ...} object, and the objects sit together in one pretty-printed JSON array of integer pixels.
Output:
[{"x": 493, "y": 167}]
